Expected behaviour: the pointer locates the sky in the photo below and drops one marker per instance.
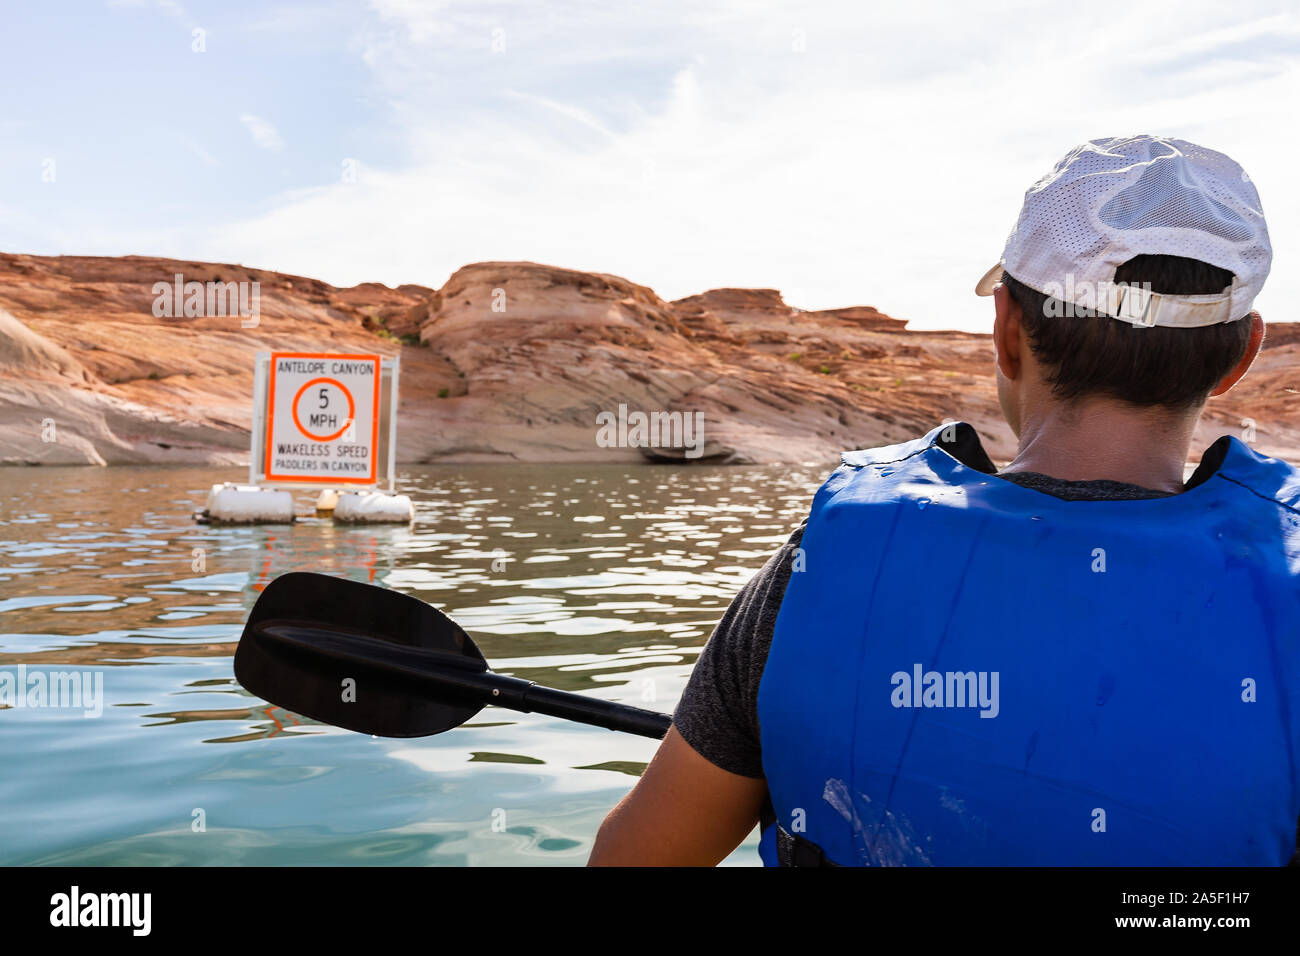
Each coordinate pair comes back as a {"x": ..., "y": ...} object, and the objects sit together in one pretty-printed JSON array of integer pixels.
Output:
[{"x": 846, "y": 153}]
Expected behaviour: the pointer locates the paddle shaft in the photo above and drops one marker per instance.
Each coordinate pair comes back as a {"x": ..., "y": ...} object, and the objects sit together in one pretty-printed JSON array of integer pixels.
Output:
[{"x": 441, "y": 676}]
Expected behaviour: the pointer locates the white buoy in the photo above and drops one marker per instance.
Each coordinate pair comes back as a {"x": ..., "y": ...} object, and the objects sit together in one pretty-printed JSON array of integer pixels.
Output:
[
  {"x": 229, "y": 503},
  {"x": 372, "y": 507}
]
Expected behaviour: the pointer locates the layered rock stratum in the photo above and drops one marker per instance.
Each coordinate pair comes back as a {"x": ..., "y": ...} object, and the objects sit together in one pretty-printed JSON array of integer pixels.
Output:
[{"x": 510, "y": 361}]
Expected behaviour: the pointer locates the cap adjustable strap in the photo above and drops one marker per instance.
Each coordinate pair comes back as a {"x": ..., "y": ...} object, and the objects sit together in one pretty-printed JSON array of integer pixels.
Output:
[{"x": 1143, "y": 308}]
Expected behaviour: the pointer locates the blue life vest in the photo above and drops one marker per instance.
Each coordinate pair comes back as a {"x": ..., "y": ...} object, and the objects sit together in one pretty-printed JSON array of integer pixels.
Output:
[{"x": 966, "y": 671}]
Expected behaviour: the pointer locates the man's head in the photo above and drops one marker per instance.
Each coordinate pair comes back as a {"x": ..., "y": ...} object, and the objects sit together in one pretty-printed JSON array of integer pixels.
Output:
[{"x": 1128, "y": 281}]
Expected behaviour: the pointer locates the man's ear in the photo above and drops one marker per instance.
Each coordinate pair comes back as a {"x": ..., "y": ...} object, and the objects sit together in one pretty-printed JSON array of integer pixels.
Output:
[
  {"x": 1252, "y": 349},
  {"x": 1007, "y": 333}
]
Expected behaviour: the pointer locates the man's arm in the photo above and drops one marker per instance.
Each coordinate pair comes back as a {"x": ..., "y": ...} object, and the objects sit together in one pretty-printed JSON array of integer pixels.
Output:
[
  {"x": 684, "y": 811},
  {"x": 704, "y": 790}
]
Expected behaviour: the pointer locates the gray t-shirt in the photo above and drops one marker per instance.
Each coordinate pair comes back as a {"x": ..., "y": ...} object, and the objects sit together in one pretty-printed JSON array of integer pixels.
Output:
[{"x": 718, "y": 712}]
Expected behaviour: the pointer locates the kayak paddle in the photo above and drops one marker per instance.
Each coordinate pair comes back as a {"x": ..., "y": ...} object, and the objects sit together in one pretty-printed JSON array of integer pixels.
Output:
[{"x": 380, "y": 662}]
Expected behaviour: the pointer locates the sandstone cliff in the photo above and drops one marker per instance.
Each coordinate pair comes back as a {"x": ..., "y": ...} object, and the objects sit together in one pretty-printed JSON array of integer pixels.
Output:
[{"x": 508, "y": 361}]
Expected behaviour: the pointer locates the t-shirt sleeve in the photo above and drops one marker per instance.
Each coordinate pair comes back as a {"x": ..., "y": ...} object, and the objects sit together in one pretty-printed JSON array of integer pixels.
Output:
[{"x": 718, "y": 712}]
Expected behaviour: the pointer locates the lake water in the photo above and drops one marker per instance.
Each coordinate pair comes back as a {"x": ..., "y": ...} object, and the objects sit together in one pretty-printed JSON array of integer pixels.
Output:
[{"x": 602, "y": 580}]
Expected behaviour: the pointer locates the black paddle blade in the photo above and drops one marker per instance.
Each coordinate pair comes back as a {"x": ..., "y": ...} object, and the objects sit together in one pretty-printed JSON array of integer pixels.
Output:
[{"x": 358, "y": 657}]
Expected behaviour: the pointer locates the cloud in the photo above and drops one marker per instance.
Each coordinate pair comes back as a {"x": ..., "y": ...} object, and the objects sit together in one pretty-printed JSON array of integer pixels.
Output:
[
  {"x": 421, "y": 20},
  {"x": 264, "y": 134},
  {"x": 200, "y": 151},
  {"x": 878, "y": 161}
]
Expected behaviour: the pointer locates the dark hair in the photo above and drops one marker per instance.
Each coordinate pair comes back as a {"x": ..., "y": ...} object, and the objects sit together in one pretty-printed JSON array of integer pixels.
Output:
[{"x": 1094, "y": 354}]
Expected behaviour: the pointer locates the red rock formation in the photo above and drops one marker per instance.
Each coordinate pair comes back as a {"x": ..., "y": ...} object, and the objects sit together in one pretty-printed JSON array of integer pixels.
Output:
[
  {"x": 509, "y": 361},
  {"x": 159, "y": 389}
]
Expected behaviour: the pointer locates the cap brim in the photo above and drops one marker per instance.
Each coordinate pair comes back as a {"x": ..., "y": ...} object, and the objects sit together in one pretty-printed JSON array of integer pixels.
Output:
[{"x": 991, "y": 278}]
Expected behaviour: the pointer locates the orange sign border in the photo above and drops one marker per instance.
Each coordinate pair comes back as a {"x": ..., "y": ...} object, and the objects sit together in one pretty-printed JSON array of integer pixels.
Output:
[
  {"x": 352, "y": 408},
  {"x": 374, "y": 426}
]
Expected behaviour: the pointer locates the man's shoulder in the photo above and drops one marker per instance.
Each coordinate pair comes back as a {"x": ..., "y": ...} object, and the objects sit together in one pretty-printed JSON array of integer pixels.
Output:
[
  {"x": 882, "y": 454},
  {"x": 957, "y": 439},
  {"x": 1272, "y": 478}
]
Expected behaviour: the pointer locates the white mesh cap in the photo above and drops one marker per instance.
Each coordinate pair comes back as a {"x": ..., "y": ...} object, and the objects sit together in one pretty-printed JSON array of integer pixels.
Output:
[{"x": 1112, "y": 199}]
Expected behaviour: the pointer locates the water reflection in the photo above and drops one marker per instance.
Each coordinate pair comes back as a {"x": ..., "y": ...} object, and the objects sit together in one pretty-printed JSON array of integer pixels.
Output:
[{"x": 600, "y": 580}]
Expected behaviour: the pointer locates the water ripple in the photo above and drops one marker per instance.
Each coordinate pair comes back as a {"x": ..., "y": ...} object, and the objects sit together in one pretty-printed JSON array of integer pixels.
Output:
[{"x": 602, "y": 580}]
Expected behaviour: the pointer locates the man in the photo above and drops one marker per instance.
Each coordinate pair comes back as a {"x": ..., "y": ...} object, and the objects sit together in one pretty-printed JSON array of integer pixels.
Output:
[{"x": 1081, "y": 659}]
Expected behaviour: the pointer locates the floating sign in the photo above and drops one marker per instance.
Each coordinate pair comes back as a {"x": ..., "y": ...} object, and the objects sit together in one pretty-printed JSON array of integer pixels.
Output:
[{"x": 322, "y": 418}]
